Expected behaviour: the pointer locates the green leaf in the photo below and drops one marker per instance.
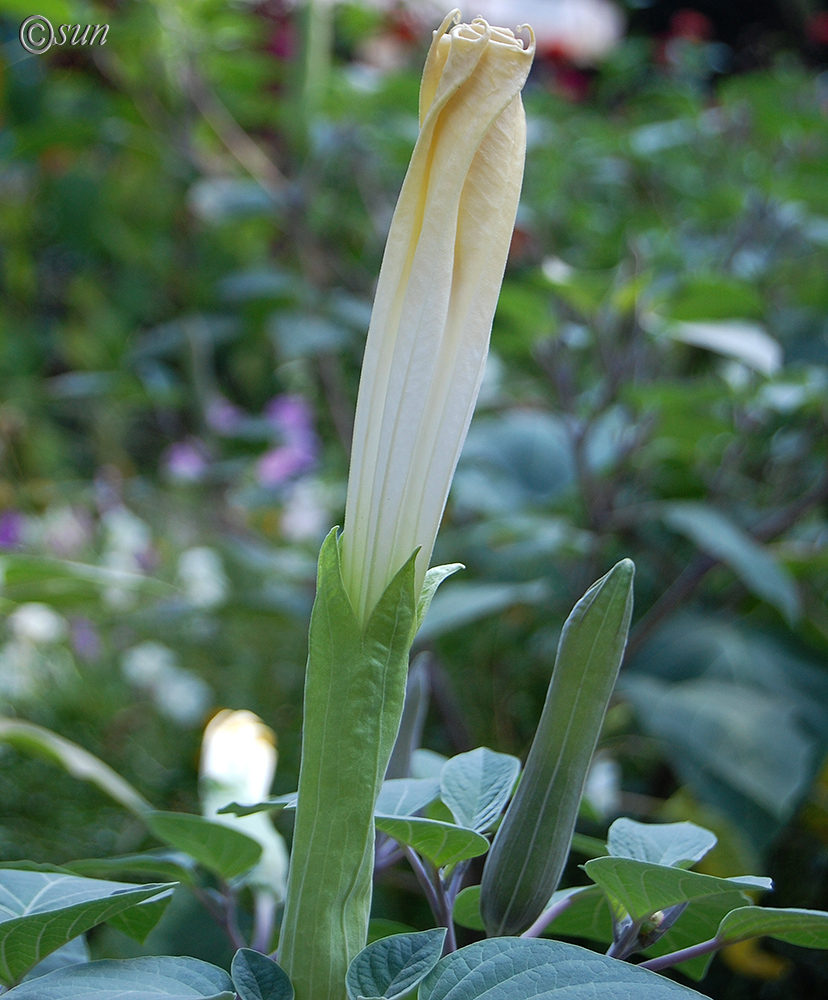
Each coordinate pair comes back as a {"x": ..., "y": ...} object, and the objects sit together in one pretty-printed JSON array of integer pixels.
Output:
[
  {"x": 643, "y": 888},
  {"x": 442, "y": 843},
  {"x": 41, "y": 911},
  {"x": 807, "y": 928},
  {"x": 138, "y": 921},
  {"x": 390, "y": 968},
  {"x": 153, "y": 978},
  {"x": 276, "y": 804},
  {"x": 220, "y": 849},
  {"x": 173, "y": 866},
  {"x": 29, "y": 738},
  {"x": 74, "y": 952},
  {"x": 257, "y": 977},
  {"x": 699, "y": 922},
  {"x": 746, "y": 342},
  {"x": 466, "y": 910},
  {"x": 674, "y": 844},
  {"x": 464, "y": 603},
  {"x": 714, "y": 533},
  {"x": 477, "y": 785},
  {"x": 533, "y": 842},
  {"x": 406, "y": 796},
  {"x": 433, "y": 578},
  {"x": 518, "y": 968}
]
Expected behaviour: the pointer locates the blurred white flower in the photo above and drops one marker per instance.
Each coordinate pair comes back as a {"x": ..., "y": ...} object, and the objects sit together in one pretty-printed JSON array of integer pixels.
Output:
[
  {"x": 238, "y": 762},
  {"x": 202, "y": 575},
  {"x": 603, "y": 786},
  {"x": 306, "y": 515},
  {"x": 582, "y": 31},
  {"x": 37, "y": 623},
  {"x": 128, "y": 542},
  {"x": 64, "y": 530},
  {"x": 145, "y": 664},
  {"x": 179, "y": 694}
]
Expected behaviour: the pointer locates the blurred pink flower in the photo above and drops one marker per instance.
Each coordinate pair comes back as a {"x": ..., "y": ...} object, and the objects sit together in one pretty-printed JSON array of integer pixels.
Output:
[
  {"x": 222, "y": 416},
  {"x": 11, "y": 528},
  {"x": 292, "y": 417},
  {"x": 186, "y": 461}
]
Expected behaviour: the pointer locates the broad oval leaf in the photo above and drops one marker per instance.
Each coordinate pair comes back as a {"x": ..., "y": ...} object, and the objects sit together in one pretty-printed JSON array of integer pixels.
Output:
[
  {"x": 808, "y": 928},
  {"x": 257, "y": 977},
  {"x": 643, "y": 888},
  {"x": 393, "y": 966},
  {"x": 157, "y": 978},
  {"x": 220, "y": 849},
  {"x": 673, "y": 844},
  {"x": 406, "y": 796},
  {"x": 517, "y": 968},
  {"x": 442, "y": 843},
  {"x": 41, "y": 911},
  {"x": 476, "y": 786}
]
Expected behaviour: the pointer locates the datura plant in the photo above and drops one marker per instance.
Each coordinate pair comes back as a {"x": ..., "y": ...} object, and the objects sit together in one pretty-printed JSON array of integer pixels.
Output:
[{"x": 423, "y": 365}]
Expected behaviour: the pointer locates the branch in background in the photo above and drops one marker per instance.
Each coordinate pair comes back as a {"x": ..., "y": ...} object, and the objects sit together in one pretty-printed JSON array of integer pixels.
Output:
[{"x": 692, "y": 575}]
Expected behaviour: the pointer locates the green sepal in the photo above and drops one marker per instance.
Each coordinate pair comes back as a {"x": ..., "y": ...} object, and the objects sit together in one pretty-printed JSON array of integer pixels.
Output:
[
  {"x": 433, "y": 578},
  {"x": 530, "y": 849},
  {"x": 354, "y": 694}
]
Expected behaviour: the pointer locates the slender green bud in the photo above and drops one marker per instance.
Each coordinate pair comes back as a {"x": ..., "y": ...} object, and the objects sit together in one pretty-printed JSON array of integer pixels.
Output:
[{"x": 528, "y": 855}]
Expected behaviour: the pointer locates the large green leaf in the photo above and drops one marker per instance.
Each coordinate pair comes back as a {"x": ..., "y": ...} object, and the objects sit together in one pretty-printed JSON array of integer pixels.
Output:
[
  {"x": 390, "y": 968},
  {"x": 220, "y": 849},
  {"x": 714, "y": 533},
  {"x": 808, "y": 928},
  {"x": 157, "y": 978},
  {"x": 166, "y": 864},
  {"x": 29, "y": 738},
  {"x": 519, "y": 968},
  {"x": 442, "y": 843},
  {"x": 673, "y": 844},
  {"x": 257, "y": 977},
  {"x": 41, "y": 911},
  {"x": 643, "y": 888},
  {"x": 477, "y": 785},
  {"x": 533, "y": 842}
]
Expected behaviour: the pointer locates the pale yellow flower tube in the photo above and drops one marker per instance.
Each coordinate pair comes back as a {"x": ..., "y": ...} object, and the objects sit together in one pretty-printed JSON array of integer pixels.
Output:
[{"x": 435, "y": 301}]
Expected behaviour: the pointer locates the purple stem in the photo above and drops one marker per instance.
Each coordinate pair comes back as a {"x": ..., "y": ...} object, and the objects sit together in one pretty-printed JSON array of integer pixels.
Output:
[
  {"x": 548, "y": 915},
  {"x": 683, "y": 955},
  {"x": 436, "y": 896}
]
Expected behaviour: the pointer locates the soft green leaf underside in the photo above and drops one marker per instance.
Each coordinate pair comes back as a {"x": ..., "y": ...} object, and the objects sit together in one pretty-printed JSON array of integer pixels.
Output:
[
  {"x": 442, "y": 843},
  {"x": 159, "y": 978},
  {"x": 390, "y": 968},
  {"x": 257, "y": 977},
  {"x": 643, "y": 888},
  {"x": 41, "y": 911},
  {"x": 476, "y": 786},
  {"x": 522, "y": 968},
  {"x": 808, "y": 928},
  {"x": 672, "y": 844}
]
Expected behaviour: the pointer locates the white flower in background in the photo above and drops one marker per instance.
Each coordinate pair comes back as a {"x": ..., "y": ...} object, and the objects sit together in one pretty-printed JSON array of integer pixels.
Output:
[
  {"x": 306, "y": 514},
  {"x": 128, "y": 541},
  {"x": 238, "y": 763},
  {"x": 603, "y": 786},
  {"x": 435, "y": 300},
  {"x": 178, "y": 694},
  {"x": 582, "y": 31},
  {"x": 202, "y": 575},
  {"x": 147, "y": 663},
  {"x": 63, "y": 530},
  {"x": 37, "y": 623}
]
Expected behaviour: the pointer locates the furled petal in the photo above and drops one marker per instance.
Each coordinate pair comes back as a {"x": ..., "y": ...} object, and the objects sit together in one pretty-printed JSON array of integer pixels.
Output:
[{"x": 435, "y": 301}]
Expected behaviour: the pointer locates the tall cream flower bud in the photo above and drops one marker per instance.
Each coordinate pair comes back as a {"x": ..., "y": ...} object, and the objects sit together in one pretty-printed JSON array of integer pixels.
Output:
[
  {"x": 435, "y": 301},
  {"x": 238, "y": 762}
]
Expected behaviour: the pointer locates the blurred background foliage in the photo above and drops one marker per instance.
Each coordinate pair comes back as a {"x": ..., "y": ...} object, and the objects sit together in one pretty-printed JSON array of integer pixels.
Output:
[{"x": 192, "y": 219}]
